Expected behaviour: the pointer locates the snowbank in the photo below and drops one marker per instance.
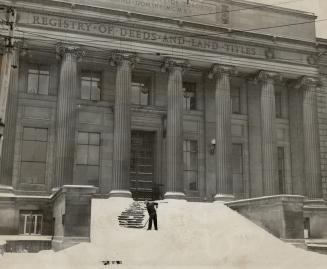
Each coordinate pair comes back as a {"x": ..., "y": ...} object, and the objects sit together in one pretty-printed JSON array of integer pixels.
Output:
[{"x": 191, "y": 235}]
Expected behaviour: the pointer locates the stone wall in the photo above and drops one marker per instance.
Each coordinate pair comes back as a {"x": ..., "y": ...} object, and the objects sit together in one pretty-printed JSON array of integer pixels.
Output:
[
  {"x": 281, "y": 215},
  {"x": 11, "y": 206}
]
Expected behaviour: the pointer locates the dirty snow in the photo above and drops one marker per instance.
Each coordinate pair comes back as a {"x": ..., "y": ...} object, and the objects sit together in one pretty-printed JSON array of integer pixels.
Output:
[{"x": 191, "y": 235}]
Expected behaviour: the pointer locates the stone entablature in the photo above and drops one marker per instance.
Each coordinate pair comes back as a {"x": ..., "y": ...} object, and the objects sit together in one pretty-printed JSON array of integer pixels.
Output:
[
  {"x": 229, "y": 14},
  {"x": 193, "y": 37}
]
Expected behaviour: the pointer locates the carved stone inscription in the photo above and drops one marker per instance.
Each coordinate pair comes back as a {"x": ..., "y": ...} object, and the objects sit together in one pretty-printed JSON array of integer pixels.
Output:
[{"x": 116, "y": 30}]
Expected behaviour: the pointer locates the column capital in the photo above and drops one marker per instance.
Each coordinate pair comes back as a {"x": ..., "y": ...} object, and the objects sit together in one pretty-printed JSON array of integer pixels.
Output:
[
  {"x": 172, "y": 63},
  {"x": 62, "y": 49},
  {"x": 268, "y": 76},
  {"x": 306, "y": 82},
  {"x": 118, "y": 58},
  {"x": 219, "y": 70}
]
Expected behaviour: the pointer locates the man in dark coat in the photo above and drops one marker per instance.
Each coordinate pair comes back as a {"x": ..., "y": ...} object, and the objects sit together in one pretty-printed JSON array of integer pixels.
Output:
[{"x": 151, "y": 207}]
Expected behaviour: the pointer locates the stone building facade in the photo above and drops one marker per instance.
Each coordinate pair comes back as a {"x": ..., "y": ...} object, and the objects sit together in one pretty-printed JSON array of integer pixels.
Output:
[{"x": 204, "y": 101}]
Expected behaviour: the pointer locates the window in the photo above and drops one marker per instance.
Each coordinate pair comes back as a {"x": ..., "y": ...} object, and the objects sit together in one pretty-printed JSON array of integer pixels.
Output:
[
  {"x": 30, "y": 222},
  {"x": 278, "y": 102},
  {"x": 88, "y": 158},
  {"x": 141, "y": 85},
  {"x": 91, "y": 86},
  {"x": 236, "y": 100},
  {"x": 237, "y": 168},
  {"x": 189, "y": 92},
  {"x": 34, "y": 155},
  {"x": 281, "y": 169},
  {"x": 38, "y": 79},
  {"x": 237, "y": 152},
  {"x": 190, "y": 150}
]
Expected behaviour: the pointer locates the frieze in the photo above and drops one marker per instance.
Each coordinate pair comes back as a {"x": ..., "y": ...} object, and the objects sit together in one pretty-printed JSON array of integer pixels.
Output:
[{"x": 118, "y": 31}]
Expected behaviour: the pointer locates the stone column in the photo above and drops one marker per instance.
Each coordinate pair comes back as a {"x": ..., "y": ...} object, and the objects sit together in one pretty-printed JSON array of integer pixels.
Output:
[
  {"x": 122, "y": 124},
  {"x": 313, "y": 184},
  {"x": 268, "y": 129},
  {"x": 66, "y": 114},
  {"x": 175, "y": 177},
  {"x": 223, "y": 148},
  {"x": 6, "y": 69},
  {"x": 9, "y": 118}
]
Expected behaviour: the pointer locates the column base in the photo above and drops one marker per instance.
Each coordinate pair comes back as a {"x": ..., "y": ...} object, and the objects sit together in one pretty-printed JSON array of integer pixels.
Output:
[
  {"x": 175, "y": 195},
  {"x": 223, "y": 197},
  {"x": 120, "y": 193},
  {"x": 6, "y": 189}
]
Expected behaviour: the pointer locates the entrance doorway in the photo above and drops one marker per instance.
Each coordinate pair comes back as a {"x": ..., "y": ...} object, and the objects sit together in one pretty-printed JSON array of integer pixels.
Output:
[{"x": 142, "y": 184}]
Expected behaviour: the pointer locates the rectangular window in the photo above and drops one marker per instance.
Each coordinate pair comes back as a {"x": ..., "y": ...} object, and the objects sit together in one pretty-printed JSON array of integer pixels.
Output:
[
  {"x": 34, "y": 155},
  {"x": 141, "y": 87},
  {"x": 30, "y": 222},
  {"x": 190, "y": 150},
  {"x": 88, "y": 158},
  {"x": 278, "y": 102},
  {"x": 237, "y": 168},
  {"x": 281, "y": 169},
  {"x": 38, "y": 79},
  {"x": 189, "y": 93},
  {"x": 91, "y": 86},
  {"x": 236, "y": 100},
  {"x": 237, "y": 154}
]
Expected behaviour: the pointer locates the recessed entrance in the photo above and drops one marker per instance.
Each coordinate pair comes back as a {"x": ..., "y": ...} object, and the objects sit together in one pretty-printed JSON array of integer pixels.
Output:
[{"x": 142, "y": 184}]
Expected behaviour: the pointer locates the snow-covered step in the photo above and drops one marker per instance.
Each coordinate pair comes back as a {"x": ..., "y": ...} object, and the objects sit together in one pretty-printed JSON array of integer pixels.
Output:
[{"x": 133, "y": 216}]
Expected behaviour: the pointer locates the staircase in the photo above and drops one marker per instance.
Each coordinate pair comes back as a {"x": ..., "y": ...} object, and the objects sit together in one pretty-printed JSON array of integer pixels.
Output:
[{"x": 133, "y": 217}]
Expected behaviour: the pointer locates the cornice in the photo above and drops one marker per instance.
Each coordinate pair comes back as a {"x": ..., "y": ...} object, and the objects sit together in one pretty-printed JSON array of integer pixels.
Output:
[{"x": 273, "y": 7}]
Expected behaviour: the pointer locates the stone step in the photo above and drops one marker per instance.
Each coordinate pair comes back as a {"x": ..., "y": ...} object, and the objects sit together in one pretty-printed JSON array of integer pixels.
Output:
[
  {"x": 129, "y": 217},
  {"x": 133, "y": 217},
  {"x": 132, "y": 214}
]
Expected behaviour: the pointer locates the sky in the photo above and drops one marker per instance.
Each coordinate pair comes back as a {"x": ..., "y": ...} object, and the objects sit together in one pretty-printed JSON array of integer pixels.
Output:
[{"x": 318, "y": 7}]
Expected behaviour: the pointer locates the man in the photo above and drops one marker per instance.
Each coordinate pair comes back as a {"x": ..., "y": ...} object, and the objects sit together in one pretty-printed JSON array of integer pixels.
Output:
[{"x": 151, "y": 207}]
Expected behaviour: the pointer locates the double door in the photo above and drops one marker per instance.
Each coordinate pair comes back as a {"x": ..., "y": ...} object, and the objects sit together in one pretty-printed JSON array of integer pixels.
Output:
[{"x": 142, "y": 184}]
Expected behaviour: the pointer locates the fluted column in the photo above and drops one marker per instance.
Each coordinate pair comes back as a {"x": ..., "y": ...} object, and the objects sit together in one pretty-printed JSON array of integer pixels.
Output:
[
  {"x": 6, "y": 68},
  {"x": 268, "y": 129},
  {"x": 7, "y": 156},
  {"x": 175, "y": 181},
  {"x": 223, "y": 149},
  {"x": 312, "y": 171},
  {"x": 122, "y": 124},
  {"x": 66, "y": 114}
]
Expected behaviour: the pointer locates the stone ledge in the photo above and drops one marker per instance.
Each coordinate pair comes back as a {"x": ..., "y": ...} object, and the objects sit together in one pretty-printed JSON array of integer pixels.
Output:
[
  {"x": 266, "y": 200},
  {"x": 25, "y": 238},
  {"x": 71, "y": 189}
]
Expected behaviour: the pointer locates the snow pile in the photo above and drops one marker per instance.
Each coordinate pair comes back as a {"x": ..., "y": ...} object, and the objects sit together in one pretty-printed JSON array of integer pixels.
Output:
[{"x": 191, "y": 235}]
